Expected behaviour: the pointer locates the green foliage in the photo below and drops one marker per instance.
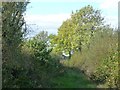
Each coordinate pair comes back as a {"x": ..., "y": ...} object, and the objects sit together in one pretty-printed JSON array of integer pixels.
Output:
[
  {"x": 77, "y": 30},
  {"x": 35, "y": 62},
  {"x": 14, "y": 70},
  {"x": 39, "y": 49},
  {"x": 12, "y": 36},
  {"x": 43, "y": 64},
  {"x": 42, "y": 36},
  {"x": 13, "y": 22},
  {"x": 99, "y": 59},
  {"x": 108, "y": 71}
]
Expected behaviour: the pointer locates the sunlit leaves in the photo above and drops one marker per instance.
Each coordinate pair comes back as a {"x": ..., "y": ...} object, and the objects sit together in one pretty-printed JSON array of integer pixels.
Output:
[{"x": 77, "y": 31}]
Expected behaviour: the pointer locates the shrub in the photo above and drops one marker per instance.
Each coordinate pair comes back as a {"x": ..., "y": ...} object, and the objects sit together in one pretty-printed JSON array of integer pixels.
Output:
[
  {"x": 99, "y": 59},
  {"x": 108, "y": 71}
]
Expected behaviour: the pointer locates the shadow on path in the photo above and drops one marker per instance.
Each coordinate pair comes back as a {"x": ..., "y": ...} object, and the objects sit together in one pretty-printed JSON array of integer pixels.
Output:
[{"x": 72, "y": 78}]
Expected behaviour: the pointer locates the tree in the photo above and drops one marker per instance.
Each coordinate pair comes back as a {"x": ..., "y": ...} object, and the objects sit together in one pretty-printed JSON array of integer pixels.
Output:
[
  {"x": 42, "y": 36},
  {"x": 51, "y": 40},
  {"x": 13, "y": 22},
  {"x": 64, "y": 38},
  {"x": 78, "y": 30},
  {"x": 40, "y": 51},
  {"x": 13, "y": 30},
  {"x": 39, "y": 46}
]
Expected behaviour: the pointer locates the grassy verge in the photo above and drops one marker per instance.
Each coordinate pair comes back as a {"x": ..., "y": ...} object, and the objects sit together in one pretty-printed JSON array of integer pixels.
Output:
[{"x": 72, "y": 79}]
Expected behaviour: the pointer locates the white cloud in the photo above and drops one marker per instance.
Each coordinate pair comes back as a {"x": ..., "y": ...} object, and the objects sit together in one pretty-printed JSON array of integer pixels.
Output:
[
  {"x": 47, "y": 18},
  {"x": 110, "y": 9},
  {"x": 49, "y": 22},
  {"x": 52, "y": 22},
  {"x": 112, "y": 20},
  {"x": 108, "y": 4}
]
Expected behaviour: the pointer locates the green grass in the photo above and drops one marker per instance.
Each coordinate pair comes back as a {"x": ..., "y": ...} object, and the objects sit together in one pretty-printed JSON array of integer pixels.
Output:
[{"x": 72, "y": 79}]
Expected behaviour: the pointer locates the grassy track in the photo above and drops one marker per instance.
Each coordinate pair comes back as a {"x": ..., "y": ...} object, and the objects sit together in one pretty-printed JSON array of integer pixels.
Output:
[{"x": 72, "y": 79}]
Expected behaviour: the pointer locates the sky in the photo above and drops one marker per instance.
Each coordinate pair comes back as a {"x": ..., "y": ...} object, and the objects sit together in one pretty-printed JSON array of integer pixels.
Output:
[{"x": 49, "y": 15}]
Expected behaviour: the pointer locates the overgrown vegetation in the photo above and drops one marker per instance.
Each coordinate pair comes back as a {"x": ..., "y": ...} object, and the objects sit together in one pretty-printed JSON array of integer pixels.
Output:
[
  {"x": 26, "y": 63},
  {"x": 100, "y": 60},
  {"x": 38, "y": 62}
]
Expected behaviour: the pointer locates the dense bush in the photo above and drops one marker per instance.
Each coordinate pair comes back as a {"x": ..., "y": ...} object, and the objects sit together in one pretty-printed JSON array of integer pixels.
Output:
[
  {"x": 33, "y": 63},
  {"x": 40, "y": 51},
  {"x": 15, "y": 71},
  {"x": 99, "y": 59},
  {"x": 13, "y": 29},
  {"x": 25, "y": 63},
  {"x": 107, "y": 72},
  {"x": 42, "y": 63}
]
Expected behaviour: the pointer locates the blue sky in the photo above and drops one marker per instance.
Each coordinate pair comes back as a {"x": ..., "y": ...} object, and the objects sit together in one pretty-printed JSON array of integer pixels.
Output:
[{"x": 49, "y": 14}]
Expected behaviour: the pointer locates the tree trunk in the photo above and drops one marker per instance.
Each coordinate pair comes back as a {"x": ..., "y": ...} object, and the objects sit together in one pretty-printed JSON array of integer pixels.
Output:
[{"x": 69, "y": 54}]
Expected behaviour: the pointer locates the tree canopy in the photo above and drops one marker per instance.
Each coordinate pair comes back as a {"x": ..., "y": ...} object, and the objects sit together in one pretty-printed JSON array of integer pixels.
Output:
[{"x": 77, "y": 30}]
